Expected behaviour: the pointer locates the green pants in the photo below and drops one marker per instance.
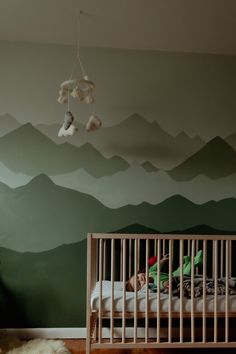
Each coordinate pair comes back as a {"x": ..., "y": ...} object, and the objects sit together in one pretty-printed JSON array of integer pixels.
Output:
[{"x": 176, "y": 273}]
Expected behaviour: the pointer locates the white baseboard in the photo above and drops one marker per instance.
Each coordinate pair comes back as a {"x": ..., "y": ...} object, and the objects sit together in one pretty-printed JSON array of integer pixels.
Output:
[
  {"x": 50, "y": 333},
  {"x": 80, "y": 333}
]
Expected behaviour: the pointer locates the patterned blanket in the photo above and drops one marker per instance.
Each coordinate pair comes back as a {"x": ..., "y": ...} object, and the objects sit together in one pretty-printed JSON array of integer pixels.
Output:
[{"x": 198, "y": 287}]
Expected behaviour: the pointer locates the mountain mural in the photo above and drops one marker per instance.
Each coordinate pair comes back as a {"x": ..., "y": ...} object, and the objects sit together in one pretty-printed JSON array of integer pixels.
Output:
[
  {"x": 8, "y": 124},
  {"x": 134, "y": 139},
  {"x": 215, "y": 160},
  {"x": 41, "y": 215},
  {"x": 28, "y": 151},
  {"x": 135, "y": 185}
]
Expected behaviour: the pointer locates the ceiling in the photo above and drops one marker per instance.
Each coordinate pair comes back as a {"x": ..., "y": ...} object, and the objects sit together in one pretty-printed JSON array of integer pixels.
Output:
[{"x": 202, "y": 26}]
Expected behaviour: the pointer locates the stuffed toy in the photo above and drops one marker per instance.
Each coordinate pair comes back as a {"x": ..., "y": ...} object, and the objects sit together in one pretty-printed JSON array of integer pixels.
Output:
[
  {"x": 93, "y": 124},
  {"x": 68, "y": 128}
]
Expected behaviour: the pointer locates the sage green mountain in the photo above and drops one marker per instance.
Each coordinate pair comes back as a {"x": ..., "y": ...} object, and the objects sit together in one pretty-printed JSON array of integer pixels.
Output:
[
  {"x": 28, "y": 151},
  {"x": 136, "y": 139},
  {"x": 216, "y": 159}
]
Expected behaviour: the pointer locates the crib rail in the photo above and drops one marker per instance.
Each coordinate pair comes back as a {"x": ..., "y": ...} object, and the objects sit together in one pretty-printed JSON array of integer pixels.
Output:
[{"x": 176, "y": 316}]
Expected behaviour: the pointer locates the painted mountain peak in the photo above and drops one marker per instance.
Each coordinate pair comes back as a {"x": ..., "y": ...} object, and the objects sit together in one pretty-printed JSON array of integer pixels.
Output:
[
  {"x": 215, "y": 160},
  {"x": 136, "y": 121},
  {"x": 135, "y": 138},
  {"x": 149, "y": 167},
  {"x": 7, "y": 124},
  {"x": 42, "y": 181},
  {"x": 29, "y": 151}
]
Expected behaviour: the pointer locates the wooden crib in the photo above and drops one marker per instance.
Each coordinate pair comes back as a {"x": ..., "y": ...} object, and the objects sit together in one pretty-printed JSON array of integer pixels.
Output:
[{"x": 143, "y": 319}]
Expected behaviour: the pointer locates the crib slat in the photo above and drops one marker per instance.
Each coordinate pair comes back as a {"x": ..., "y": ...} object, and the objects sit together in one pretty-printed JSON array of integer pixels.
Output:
[
  {"x": 158, "y": 289},
  {"x": 215, "y": 295},
  {"x": 230, "y": 258},
  {"x": 189, "y": 247},
  {"x": 138, "y": 261},
  {"x": 124, "y": 290},
  {"x": 163, "y": 247},
  {"x": 112, "y": 293},
  {"x": 227, "y": 291},
  {"x": 104, "y": 258},
  {"x": 192, "y": 292},
  {"x": 221, "y": 258},
  {"x": 100, "y": 292},
  {"x": 181, "y": 255},
  {"x": 130, "y": 256},
  {"x": 204, "y": 292},
  {"x": 135, "y": 288},
  {"x": 155, "y": 247},
  {"x": 121, "y": 261},
  {"x": 196, "y": 251},
  {"x": 147, "y": 291},
  {"x": 170, "y": 292}
]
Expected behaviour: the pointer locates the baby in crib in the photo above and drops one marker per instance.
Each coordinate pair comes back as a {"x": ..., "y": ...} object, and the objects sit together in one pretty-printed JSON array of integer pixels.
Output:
[{"x": 164, "y": 277}]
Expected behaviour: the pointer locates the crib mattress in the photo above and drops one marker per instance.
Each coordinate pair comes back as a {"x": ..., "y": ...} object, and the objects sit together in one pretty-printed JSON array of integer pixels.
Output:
[{"x": 164, "y": 301}]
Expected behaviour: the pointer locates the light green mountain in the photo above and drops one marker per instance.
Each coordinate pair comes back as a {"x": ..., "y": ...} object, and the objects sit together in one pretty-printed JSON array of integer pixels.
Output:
[
  {"x": 135, "y": 139},
  {"x": 12, "y": 179},
  {"x": 28, "y": 151},
  {"x": 215, "y": 160},
  {"x": 41, "y": 216},
  {"x": 135, "y": 185}
]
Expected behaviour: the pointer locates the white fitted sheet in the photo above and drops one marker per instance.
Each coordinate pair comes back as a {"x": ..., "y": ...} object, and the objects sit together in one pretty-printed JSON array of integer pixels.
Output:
[{"x": 164, "y": 300}]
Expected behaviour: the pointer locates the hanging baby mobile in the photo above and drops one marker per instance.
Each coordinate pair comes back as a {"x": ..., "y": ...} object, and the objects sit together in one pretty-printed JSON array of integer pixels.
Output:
[{"x": 81, "y": 89}]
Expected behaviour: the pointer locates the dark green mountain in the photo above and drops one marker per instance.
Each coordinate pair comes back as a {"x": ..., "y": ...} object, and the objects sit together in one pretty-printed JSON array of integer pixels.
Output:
[
  {"x": 196, "y": 230},
  {"x": 41, "y": 215},
  {"x": 29, "y": 151},
  {"x": 216, "y": 159},
  {"x": 149, "y": 167},
  {"x": 43, "y": 289}
]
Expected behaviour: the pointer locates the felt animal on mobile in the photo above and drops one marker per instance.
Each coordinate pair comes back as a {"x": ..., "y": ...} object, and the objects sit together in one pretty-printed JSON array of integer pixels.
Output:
[
  {"x": 68, "y": 128},
  {"x": 93, "y": 124}
]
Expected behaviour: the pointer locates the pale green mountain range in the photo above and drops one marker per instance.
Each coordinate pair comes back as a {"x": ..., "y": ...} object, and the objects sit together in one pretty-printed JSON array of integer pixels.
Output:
[
  {"x": 41, "y": 215},
  {"x": 12, "y": 179},
  {"x": 135, "y": 185}
]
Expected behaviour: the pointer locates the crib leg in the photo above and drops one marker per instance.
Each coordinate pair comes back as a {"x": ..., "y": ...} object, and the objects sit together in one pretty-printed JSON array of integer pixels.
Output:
[{"x": 88, "y": 345}]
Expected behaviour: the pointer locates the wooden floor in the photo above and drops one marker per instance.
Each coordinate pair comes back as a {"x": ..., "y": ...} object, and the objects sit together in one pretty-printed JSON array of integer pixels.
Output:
[{"x": 78, "y": 347}]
